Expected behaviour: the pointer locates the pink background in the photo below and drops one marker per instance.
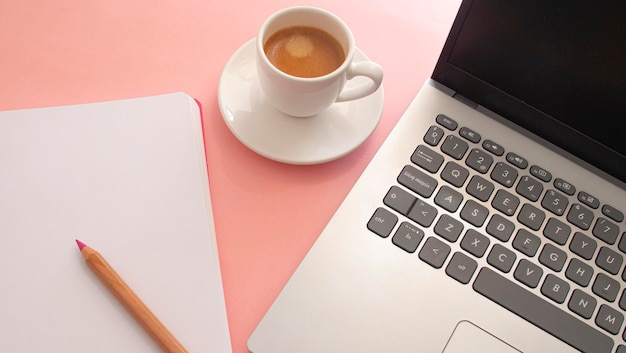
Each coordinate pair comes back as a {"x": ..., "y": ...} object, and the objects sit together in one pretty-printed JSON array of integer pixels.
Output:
[{"x": 267, "y": 214}]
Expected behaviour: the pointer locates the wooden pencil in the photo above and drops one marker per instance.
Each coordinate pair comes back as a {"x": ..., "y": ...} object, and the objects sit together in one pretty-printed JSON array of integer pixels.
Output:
[{"x": 131, "y": 302}]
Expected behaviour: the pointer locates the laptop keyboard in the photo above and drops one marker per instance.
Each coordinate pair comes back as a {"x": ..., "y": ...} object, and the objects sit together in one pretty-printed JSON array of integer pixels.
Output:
[{"x": 529, "y": 241}]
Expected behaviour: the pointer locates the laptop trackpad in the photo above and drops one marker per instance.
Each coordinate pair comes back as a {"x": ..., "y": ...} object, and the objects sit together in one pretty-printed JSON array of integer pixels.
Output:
[{"x": 469, "y": 338}]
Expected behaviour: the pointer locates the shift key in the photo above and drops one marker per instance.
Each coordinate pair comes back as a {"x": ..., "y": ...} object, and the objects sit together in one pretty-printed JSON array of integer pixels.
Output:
[{"x": 541, "y": 313}]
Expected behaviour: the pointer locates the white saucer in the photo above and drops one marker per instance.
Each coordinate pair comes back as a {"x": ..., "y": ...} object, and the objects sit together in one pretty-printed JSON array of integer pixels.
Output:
[{"x": 317, "y": 139}]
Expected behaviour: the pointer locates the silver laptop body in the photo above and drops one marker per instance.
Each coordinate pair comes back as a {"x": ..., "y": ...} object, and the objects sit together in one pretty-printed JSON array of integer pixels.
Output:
[{"x": 492, "y": 217}]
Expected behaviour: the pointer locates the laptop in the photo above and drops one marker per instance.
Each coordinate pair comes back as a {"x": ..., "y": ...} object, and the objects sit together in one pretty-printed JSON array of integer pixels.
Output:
[{"x": 492, "y": 217}]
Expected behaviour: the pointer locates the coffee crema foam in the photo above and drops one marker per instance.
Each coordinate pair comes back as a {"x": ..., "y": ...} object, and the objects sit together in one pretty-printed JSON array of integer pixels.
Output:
[
  {"x": 299, "y": 46},
  {"x": 304, "y": 51}
]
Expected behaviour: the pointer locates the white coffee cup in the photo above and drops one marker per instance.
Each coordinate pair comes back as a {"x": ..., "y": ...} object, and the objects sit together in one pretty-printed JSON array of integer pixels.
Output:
[{"x": 308, "y": 96}]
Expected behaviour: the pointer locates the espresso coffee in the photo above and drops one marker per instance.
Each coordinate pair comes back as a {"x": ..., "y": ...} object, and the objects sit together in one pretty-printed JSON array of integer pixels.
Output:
[{"x": 304, "y": 51}]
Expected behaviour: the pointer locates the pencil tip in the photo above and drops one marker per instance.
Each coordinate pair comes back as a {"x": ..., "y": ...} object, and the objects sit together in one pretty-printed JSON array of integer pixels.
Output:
[{"x": 81, "y": 245}]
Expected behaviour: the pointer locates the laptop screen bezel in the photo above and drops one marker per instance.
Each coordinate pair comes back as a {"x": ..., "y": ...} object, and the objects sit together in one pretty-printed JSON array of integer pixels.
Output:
[{"x": 520, "y": 113}]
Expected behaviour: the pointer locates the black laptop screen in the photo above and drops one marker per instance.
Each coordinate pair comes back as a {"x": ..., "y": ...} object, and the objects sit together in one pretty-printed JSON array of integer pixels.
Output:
[{"x": 557, "y": 68}]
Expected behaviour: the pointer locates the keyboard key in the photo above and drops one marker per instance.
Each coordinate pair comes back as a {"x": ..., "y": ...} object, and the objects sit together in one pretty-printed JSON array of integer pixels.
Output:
[
  {"x": 470, "y": 135},
  {"x": 434, "y": 252},
  {"x": 454, "y": 147},
  {"x": 613, "y": 213},
  {"x": 531, "y": 216},
  {"x": 448, "y": 198},
  {"x": 399, "y": 199},
  {"x": 606, "y": 230},
  {"x": 555, "y": 202},
  {"x": 609, "y": 260},
  {"x": 555, "y": 288},
  {"x": 505, "y": 202},
  {"x": 501, "y": 258},
  {"x": 434, "y": 135},
  {"x": 422, "y": 213},
  {"x": 541, "y": 313},
  {"x": 564, "y": 186},
  {"x": 579, "y": 272},
  {"x": 475, "y": 243},
  {"x": 417, "y": 181},
  {"x": 407, "y": 237},
  {"x": 474, "y": 213},
  {"x": 609, "y": 319},
  {"x": 582, "y": 304},
  {"x": 583, "y": 246},
  {"x": 427, "y": 158},
  {"x": 479, "y": 188},
  {"x": 382, "y": 222},
  {"x": 530, "y": 188},
  {"x": 553, "y": 257},
  {"x": 622, "y": 300},
  {"x": 528, "y": 273},
  {"x": 448, "y": 228},
  {"x": 500, "y": 228},
  {"x": 479, "y": 160},
  {"x": 540, "y": 173},
  {"x": 557, "y": 231},
  {"x": 461, "y": 267},
  {"x": 517, "y": 160},
  {"x": 580, "y": 216},
  {"x": 606, "y": 287},
  {"x": 493, "y": 147},
  {"x": 504, "y": 174},
  {"x": 622, "y": 243},
  {"x": 588, "y": 200},
  {"x": 526, "y": 242},
  {"x": 454, "y": 174},
  {"x": 446, "y": 122}
]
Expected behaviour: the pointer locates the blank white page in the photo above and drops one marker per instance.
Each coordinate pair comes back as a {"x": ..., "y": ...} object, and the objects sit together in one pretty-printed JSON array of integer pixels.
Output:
[{"x": 129, "y": 179}]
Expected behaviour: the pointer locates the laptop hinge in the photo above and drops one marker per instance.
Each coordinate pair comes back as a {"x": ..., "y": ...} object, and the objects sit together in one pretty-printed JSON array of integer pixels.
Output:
[
  {"x": 452, "y": 93},
  {"x": 465, "y": 101}
]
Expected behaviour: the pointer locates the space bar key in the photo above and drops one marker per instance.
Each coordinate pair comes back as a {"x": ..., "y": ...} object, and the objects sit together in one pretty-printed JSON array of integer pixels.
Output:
[{"x": 541, "y": 313}]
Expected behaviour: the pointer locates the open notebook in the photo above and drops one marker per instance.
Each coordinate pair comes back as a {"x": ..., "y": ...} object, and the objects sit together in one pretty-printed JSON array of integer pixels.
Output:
[
  {"x": 129, "y": 178},
  {"x": 492, "y": 217}
]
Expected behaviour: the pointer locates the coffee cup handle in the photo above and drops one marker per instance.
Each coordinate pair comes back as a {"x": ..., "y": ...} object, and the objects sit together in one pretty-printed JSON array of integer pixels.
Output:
[{"x": 368, "y": 69}]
